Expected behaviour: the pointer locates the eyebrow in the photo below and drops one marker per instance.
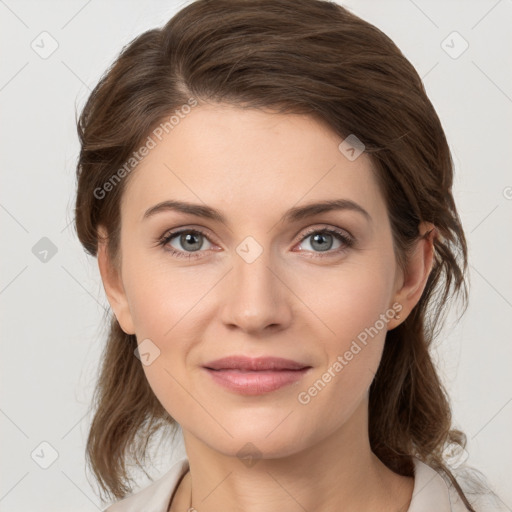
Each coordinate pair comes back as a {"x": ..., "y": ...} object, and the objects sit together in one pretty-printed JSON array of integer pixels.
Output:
[{"x": 292, "y": 215}]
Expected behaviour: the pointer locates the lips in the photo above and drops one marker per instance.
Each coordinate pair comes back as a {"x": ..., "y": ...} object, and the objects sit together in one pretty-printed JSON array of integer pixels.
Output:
[
  {"x": 255, "y": 376},
  {"x": 245, "y": 364}
]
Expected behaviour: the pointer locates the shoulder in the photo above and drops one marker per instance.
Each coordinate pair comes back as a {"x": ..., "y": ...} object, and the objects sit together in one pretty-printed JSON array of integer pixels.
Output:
[
  {"x": 156, "y": 496},
  {"x": 433, "y": 492}
]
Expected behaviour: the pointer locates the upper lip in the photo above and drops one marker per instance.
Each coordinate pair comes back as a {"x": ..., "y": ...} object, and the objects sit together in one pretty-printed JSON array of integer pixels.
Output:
[{"x": 254, "y": 364}]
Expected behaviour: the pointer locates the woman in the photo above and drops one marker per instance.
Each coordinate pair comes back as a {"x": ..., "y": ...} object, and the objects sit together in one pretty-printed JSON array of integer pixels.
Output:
[{"x": 292, "y": 145}]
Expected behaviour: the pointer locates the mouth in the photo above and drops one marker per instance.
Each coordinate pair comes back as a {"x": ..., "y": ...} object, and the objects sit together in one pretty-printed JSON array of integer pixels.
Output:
[
  {"x": 249, "y": 376},
  {"x": 255, "y": 364}
]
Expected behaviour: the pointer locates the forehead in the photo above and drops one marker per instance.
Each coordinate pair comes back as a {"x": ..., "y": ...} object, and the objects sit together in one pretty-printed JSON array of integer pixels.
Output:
[{"x": 251, "y": 162}]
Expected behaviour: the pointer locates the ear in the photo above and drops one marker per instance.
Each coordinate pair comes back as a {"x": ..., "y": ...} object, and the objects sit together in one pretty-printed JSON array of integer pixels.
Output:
[
  {"x": 112, "y": 283},
  {"x": 411, "y": 282}
]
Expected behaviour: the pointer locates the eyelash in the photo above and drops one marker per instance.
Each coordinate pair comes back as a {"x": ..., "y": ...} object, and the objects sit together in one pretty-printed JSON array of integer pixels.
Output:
[{"x": 343, "y": 237}]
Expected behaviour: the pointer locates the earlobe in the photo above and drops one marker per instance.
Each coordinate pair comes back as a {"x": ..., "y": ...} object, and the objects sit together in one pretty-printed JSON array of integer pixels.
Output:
[
  {"x": 113, "y": 286},
  {"x": 415, "y": 276}
]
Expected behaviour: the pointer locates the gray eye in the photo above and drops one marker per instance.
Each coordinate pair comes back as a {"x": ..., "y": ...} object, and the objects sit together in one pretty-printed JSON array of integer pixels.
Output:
[{"x": 190, "y": 241}]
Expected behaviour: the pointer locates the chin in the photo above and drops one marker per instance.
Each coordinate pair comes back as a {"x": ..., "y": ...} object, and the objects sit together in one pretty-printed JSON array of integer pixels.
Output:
[{"x": 259, "y": 443}]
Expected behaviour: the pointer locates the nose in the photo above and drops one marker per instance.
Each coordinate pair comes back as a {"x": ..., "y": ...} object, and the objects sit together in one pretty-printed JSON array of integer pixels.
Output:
[{"x": 255, "y": 297}]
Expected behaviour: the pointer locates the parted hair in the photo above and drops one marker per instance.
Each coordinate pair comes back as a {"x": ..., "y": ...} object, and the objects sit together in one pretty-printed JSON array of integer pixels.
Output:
[{"x": 310, "y": 57}]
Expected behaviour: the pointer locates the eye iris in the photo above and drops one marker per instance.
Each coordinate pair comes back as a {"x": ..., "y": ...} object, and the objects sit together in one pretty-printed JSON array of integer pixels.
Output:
[
  {"x": 322, "y": 246},
  {"x": 190, "y": 237}
]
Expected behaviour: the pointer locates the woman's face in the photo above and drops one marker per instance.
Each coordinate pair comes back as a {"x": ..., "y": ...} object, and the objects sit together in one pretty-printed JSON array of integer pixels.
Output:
[{"x": 262, "y": 282}]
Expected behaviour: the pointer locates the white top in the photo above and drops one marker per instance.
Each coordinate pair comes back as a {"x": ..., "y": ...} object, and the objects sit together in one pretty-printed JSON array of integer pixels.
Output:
[{"x": 430, "y": 493}]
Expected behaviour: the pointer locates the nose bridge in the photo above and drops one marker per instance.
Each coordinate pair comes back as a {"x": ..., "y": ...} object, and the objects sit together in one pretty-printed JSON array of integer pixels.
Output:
[{"x": 254, "y": 298}]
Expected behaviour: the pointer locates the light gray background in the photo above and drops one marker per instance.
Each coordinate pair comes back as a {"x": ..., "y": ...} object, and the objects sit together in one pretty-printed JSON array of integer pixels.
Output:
[{"x": 52, "y": 311}]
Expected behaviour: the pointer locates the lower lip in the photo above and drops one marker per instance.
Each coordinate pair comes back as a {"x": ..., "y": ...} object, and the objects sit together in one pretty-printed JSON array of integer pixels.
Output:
[{"x": 255, "y": 382}]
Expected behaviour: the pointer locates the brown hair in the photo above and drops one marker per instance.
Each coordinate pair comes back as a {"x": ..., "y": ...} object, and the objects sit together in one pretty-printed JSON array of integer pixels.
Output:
[{"x": 290, "y": 56}]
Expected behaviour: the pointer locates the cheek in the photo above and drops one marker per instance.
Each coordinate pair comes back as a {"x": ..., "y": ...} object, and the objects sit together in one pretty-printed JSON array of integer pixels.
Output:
[
  {"x": 163, "y": 298},
  {"x": 354, "y": 308},
  {"x": 167, "y": 305},
  {"x": 349, "y": 298}
]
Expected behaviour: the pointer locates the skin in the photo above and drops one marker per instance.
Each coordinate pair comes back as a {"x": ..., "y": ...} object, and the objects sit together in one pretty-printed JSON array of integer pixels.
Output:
[{"x": 253, "y": 166}]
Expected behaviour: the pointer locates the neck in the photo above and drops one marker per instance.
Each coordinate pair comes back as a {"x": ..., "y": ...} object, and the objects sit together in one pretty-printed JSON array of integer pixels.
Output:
[{"x": 338, "y": 473}]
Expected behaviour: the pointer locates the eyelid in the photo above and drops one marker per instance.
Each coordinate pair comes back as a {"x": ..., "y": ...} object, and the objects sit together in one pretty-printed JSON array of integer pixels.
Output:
[
  {"x": 346, "y": 238},
  {"x": 190, "y": 228},
  {"x": 297, "y": 238},
  {"x": 323, "y": 227}
]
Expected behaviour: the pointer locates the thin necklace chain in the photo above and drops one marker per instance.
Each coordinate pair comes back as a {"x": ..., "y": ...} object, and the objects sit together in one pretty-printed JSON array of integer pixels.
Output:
[{"x": 190, "y": 508}]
